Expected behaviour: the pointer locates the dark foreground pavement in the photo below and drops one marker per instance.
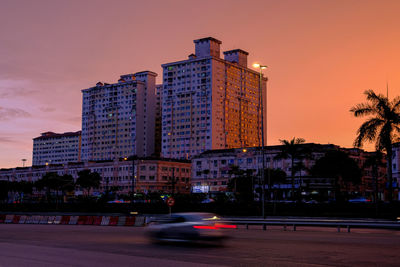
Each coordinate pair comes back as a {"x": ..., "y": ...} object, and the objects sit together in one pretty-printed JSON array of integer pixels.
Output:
[{"x": 64, "y": 245}]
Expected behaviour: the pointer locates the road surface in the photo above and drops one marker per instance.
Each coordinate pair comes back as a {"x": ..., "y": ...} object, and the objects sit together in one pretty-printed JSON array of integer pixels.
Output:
[{"x": 65, "y": 245}]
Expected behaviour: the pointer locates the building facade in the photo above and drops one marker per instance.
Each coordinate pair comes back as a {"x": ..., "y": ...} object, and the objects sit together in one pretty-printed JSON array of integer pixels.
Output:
[
  {"x": 209, "y": 102},
  {"x": 211, "y": 171},
  {"x": 158, "y": 126},
  {"x": 56, "y": 148},
  {"x": 151, "y": 174},
  {"x": 396, "y": 170},
  {"x": 118, "y": 120}
]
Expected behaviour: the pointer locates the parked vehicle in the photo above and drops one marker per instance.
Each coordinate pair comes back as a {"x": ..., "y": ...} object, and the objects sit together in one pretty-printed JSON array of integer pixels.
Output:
[{"x": 359, "y": 200}]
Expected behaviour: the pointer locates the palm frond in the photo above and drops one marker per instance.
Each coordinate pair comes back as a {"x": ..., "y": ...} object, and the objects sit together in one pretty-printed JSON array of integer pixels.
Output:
[
  {"x": 368, "y": 131},
  {"x": 363, "y": 109},
  {"x": 396, "y": 104}
]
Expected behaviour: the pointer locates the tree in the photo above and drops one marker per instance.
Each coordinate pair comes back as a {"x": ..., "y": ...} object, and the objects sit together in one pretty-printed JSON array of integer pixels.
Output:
[
  {"x": 49, "y": 181},
  {"x": 292, "y": 149},
  {"x": 4, "y": 189},
  {"x": 88, "y": 180},
  {"x": 243, "y": 185},
  {"x": 374, "y": 161},
  {"x": 66, "y": 184},
  {"x": 338, "y": 165},
  {"x": 276, "y": 177},
  {"x": 382, "y": 126}
]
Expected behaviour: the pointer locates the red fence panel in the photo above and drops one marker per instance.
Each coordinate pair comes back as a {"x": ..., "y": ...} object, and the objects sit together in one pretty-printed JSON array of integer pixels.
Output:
[
  {"x": 16, "y": 219},
  {"x": 65, "y": 219},
  {"x": 82, "y": 220},
  {"x": 130, "y": 221},
  {"x": 97, "y": 220},
  {"x": 113, "y": 220},
  {"x": 89, "y": 220}
]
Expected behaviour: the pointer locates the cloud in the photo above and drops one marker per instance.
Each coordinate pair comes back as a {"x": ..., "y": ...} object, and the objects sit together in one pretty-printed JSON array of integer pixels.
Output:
[
  {"x": 6, "y": 140},
  {"x": 47, "y": 109},
  {"x": 12, "y": 113},
  {"x": 15, "y": 88},
  {"x": 74, "y": 120}
]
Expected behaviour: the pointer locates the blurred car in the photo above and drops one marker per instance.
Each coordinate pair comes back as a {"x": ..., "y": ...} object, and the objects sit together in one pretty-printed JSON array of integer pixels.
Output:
[
  {"x": 189, "y": 227},
  {"x": 359, "y": 200}
]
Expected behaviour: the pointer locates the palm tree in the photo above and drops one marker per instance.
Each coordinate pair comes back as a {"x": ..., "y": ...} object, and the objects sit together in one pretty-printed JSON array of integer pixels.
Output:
[
  {"x": 382, "y": 126},
  {"x": 292, "y": 149}
]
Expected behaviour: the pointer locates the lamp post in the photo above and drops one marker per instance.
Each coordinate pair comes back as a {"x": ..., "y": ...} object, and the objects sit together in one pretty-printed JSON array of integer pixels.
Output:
[
  {"x": 261, "y": 105},
  {"x": 133, "y": 177}
]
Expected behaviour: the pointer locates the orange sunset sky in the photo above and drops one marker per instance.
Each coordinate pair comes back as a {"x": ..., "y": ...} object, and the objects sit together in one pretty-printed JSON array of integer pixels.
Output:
[{"x": 322, "y": 56}]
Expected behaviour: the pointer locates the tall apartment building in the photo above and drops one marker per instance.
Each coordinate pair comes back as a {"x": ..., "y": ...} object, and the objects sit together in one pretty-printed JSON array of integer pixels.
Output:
[
  {"x": 157, "y": 136},
  {"x": 209, "y": 102},
  {"x": 118, "y": 119},
  {"x": 55, "y": 148}
]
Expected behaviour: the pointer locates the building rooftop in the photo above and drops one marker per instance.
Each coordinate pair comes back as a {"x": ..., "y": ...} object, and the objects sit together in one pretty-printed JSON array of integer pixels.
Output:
[
  {"x": 236, "y": 51},
  {"x": 48, "y": 135},
  {"x": 207, "y": 39}
]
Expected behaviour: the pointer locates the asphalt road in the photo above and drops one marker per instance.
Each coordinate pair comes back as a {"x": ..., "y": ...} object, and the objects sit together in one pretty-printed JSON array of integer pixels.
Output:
[{"x": 64, "y": 245}]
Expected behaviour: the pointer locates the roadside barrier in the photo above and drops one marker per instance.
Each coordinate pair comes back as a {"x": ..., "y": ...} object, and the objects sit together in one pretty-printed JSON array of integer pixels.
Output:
[
  {"x": 89, "y": 220},
  {"x": 50, "y": 219},
  {"x": 28, "y": 219},
  {"x": 113, "y": 220},
  {"x": 76, "y": 220},
  {"x": 82, "y": 220},
  {"x": 97, "y": 220},
  {"x": 36, "y": 219},
  {"x": 22, "y": 219},
  {"x": 9, "y": 219},
  {"x": 16, "y": 219},
  {"x": 73, "y": 220},
  {"x": 140, "y": 220},
  {"x": 44, "y": 220},
  {"x": 130, "y": 221},
  {"x": 65, "y": 219},
  {"x": 121, "y": 220},
  {"x": 105, "y": 220},
  {"x": 57, "y": 220}
]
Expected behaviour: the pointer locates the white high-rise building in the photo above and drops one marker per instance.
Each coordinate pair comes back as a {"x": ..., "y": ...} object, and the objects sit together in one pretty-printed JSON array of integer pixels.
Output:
[
  {"x": 55, "y": 148},
  {"x": 209, "y": 102},
  {"x": 118, "y": 119}
]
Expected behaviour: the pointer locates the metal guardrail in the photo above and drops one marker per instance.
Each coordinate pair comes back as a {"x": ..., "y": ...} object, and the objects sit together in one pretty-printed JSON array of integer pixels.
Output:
[{"x": 337, "y": 223}]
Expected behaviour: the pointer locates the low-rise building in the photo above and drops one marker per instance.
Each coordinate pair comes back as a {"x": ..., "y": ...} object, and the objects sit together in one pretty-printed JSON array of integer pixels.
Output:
[
  {"x": 151, "y": 174},
  {"x": 212, "y": 171},
  {"x": 396, "y": 170}
]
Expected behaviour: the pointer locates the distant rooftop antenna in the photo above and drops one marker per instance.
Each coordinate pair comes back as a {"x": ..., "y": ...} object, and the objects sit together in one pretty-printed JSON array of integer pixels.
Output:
[{"x": 387, "y": 90}]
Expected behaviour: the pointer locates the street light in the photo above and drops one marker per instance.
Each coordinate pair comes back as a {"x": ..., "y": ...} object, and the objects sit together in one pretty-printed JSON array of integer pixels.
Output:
[
  {"x": 261, "y": 105},
  {"x": 133, "y": 176}
]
